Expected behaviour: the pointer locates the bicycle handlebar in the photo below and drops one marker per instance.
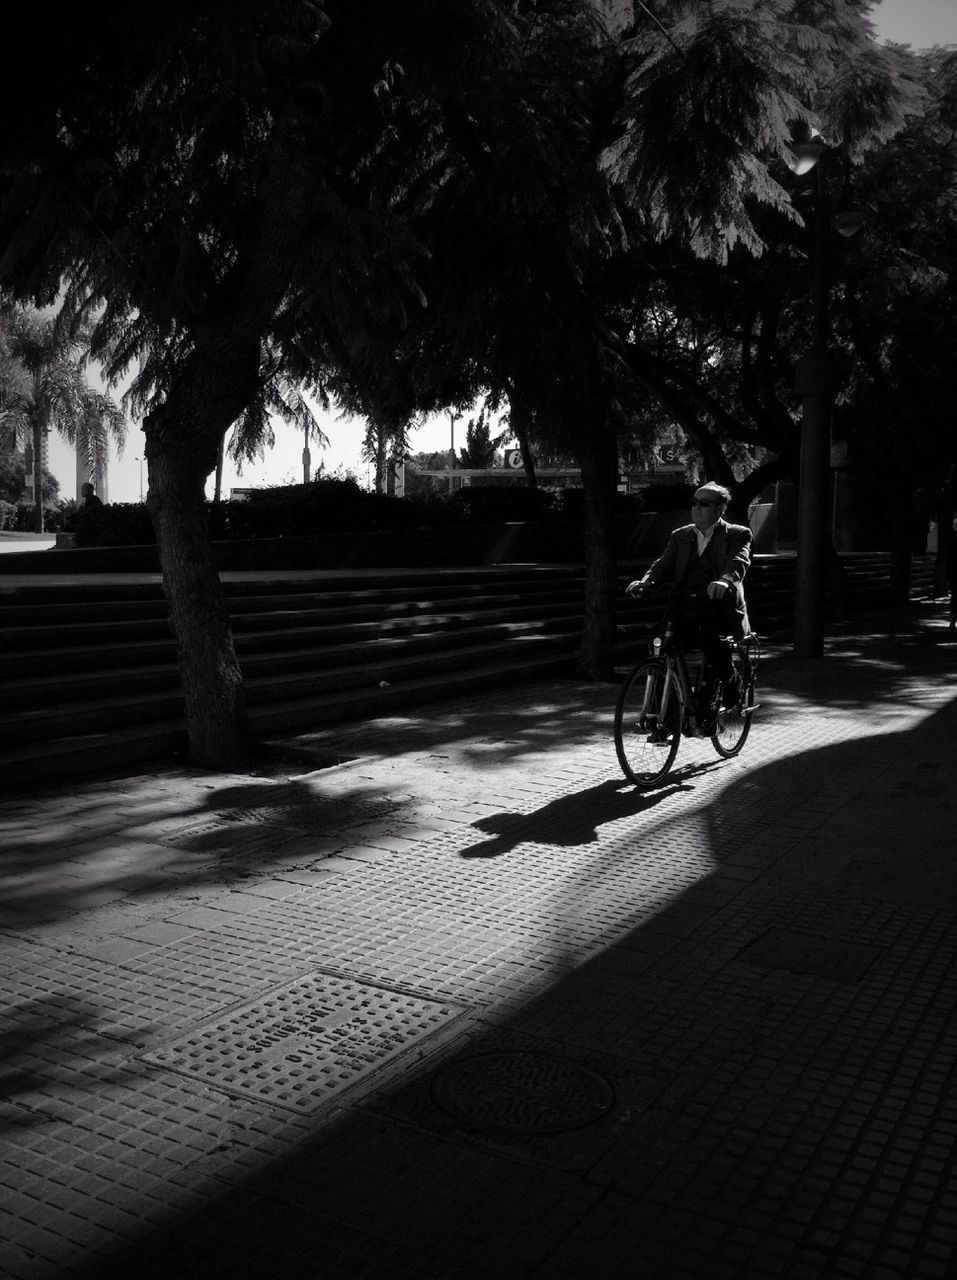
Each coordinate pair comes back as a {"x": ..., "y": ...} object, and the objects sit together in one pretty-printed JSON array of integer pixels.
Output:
[{"x": 654, "y": 592}]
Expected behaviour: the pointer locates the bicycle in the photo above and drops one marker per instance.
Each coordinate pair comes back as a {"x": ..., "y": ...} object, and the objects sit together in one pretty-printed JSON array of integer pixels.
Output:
[{"x": 666, "y": 696}]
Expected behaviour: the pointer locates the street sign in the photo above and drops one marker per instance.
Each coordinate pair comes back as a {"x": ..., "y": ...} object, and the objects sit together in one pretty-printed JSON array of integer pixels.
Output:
[
  {"x": 667, "y": 455},
  {"x": 513, "y": 459}
]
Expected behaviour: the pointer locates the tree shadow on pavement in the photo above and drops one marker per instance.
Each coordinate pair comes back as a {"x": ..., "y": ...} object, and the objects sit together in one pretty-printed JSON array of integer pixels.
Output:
[
  {"x": 536, "y": 719},
  {"x": 863, "y": 669},
  {"x": 239, "y": 825},
  {"x": 50, "y": 1046}
]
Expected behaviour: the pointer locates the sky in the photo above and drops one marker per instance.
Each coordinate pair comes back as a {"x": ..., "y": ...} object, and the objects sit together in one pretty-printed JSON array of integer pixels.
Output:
[{"x": 920, "y": 23}]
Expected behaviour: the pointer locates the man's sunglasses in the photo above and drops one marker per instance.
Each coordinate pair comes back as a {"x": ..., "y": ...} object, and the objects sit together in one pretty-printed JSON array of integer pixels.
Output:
[{"x": 707, "y": 502}]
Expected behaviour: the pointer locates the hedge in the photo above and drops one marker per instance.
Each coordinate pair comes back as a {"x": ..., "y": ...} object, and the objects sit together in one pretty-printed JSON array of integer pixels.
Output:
[{"x": 340, "y": 506}]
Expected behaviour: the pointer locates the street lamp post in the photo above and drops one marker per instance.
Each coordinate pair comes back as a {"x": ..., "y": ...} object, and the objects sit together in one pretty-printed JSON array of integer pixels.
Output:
[
  {"x": 140, "y": 461},
  {"x": 816, "y": 380},
  {"x": 453, "y": 418},
  {"x": 815, "y": 383}
]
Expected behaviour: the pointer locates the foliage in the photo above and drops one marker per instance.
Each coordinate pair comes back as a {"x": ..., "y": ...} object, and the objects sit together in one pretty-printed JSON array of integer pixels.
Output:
[
  {"x": 113, "y": 524},
  {"x": 666, "y": 497},
  {"x": 716, "y": 346},
  {"x": 435, "y": 461},
  {"x": 489, "y": 504},
  {"x": 334, "y": 506},
  {"x": 43, "y": 387},
  {"x": 12, "y": 476},
  {"x": 480, "y": 444},
  {"x": 896, "y": 313},
  {"x": 277, "y": 397}
]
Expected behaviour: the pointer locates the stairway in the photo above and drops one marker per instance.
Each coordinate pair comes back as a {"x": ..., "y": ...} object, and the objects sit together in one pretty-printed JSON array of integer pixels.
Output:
[{"x": 89, "y": 681}]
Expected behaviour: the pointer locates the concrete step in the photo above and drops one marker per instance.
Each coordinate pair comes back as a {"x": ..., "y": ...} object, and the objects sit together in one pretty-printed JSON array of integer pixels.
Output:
[
  {"x": 93, "y": 683},
  {"x": 340, "y": 619},
  {"x": 55, "y": 711},
  {"x": 120, "y": 749},
  {"x": 38, "y": 685}
]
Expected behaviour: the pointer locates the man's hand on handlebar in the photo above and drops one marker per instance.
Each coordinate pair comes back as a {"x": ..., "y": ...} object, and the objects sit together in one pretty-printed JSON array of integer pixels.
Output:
[{"x": 635, "y": 588}]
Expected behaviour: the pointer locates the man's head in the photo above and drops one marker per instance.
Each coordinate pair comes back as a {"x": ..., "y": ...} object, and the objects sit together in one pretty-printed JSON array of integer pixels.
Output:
[
  {"x": 708, "y": 504},
  {"x": 86, "y": 490}
]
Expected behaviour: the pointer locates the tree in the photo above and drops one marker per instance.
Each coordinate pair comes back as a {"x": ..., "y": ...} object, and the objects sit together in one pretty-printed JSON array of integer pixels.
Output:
[
  {"x": 480, "y": 444},
  {"x": 437, "y": 460},
  {"x": 897, "y": 316},
  {"x": 278, "y": 397},
  {"x": 717, "y": 347},
  {"x": 216, "y": 179},
  {"x": 384, "y": 446},
  {"x": 43, "y": 388}
]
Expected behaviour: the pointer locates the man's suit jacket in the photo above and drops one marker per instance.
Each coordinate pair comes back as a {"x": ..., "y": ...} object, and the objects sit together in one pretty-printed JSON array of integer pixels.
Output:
[{"x": 731, "y": 547}]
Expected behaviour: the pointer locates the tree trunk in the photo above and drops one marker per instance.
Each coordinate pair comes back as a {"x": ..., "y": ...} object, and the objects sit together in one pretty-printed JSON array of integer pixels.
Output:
[
  {"x": 945, "y": 547},
  {"x": 211, "y": 677},
  {"x": 599, "y": 465},
  {"x": 901, "y": 531},
  {"x": 183, "y": 437},
  {"x": 519, "y": 421},
  {"x": 381, "y": 444},
  {"x": 838, "y": 584},
  {"x": 38, "y": 427}
]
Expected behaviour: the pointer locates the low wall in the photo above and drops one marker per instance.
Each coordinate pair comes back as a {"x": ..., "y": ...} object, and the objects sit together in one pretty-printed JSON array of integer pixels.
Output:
[{"x": 521, "y": 542}]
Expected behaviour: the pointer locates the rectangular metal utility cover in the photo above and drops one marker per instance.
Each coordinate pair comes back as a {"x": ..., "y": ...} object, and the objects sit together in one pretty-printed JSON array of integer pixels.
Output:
[{"x": 300, "y": 1045}]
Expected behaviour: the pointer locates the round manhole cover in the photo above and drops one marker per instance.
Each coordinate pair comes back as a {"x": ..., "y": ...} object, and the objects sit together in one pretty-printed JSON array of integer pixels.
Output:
[{"x": 526, "y": 1093}]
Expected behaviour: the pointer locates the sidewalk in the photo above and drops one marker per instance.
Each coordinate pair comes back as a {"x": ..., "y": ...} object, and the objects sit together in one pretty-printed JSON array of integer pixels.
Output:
[
  {"x": 17, "y": 542},
  {"x": 465, "y": 1004}
]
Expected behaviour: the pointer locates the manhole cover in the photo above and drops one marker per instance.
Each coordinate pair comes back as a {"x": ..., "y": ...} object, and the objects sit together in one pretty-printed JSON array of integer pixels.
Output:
[
  {"x": 522, "y": 1093},
  {"x": 808, "y": 953},
  {"x": 300, "y": 1045}
]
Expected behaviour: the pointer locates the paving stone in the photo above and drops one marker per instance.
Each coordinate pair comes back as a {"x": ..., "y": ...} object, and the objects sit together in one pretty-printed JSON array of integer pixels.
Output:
[{"x": 767, "y": 1120}]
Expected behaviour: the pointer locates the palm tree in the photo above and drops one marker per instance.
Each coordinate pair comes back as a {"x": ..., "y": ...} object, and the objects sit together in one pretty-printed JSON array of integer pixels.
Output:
[
  {"x": 282, "y": 397},
  {"x": 43, "y": 388}
]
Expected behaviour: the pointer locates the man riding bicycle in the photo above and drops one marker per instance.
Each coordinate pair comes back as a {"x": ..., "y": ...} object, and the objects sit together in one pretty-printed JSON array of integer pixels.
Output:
[{"x": 706, "y": 561}]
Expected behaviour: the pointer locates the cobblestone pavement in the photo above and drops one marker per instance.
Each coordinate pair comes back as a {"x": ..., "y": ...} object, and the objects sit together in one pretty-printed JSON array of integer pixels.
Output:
[{"x": 465, "y": 1004}]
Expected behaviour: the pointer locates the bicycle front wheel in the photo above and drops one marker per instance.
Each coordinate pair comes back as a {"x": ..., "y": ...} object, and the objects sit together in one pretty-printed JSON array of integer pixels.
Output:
[
  {"x": 732, "y": 727},
  {"x": 648, "y": 724}
]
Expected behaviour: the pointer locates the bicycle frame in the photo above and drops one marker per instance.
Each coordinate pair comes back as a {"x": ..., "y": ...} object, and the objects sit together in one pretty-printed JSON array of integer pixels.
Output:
[{"x": 676, "y": 664}]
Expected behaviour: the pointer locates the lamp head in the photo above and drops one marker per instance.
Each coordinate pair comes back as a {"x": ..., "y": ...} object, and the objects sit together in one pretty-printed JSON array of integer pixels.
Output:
[
  {"x": 804, "y": 156},
  {"x": 805, "y": 146}
]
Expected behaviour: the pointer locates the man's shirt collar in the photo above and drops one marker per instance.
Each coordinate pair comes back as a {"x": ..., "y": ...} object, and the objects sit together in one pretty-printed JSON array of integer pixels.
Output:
[{"x": 704, "y": 538}]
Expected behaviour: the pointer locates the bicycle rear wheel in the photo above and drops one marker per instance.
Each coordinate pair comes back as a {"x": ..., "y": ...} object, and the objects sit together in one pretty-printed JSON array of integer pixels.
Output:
[
  {"x": 732, "y": 727},
  {"x": 647, "y": 724}
]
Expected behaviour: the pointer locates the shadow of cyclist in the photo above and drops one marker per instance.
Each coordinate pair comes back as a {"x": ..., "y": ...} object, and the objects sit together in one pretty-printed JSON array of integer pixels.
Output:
[{"x": 573, "y": 819}]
